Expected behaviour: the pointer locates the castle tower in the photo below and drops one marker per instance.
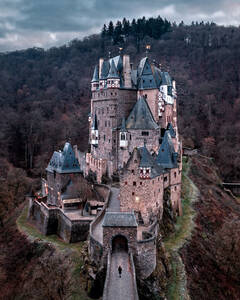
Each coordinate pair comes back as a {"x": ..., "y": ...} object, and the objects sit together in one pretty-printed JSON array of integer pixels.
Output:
[
  {"x": 129, "y": 106},
  {"x": 62, "y": 167}
]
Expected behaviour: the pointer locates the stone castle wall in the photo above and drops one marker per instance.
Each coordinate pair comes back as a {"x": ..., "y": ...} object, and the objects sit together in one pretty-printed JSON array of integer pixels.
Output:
[
  {"x": 140, "y": 195},
  {"x": 151, "y": 96},
  {"x": 95, "y": 247},
  {"x": 56, "y": 182},
  {"x": 53, "y": 221},
  {"x": 145, "y": 261},
  {"x": 110, "y": 106},
  {"x": 130, "y": 233},
  {"x": 136, "y": 138}
]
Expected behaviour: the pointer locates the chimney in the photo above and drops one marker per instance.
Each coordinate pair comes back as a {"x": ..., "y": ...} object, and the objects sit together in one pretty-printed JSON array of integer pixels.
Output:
[
  {"x": 127, "y": 71},
  {"x": 100, "y": 66}
]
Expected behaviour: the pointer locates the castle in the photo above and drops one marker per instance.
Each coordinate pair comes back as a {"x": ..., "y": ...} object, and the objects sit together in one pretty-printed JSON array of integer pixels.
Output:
[
  {"x": 133, "y": 133},
  {"x": 134, "y": 142}
]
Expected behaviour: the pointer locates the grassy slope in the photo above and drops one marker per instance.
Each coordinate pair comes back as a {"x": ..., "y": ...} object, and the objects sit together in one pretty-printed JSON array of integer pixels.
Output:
[
  {"x": 74, "y": 250},
  {"x": 184, "y": 225}
]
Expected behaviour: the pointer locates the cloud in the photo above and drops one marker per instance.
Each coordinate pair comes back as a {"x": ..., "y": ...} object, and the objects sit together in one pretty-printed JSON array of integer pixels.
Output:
[{"x": 47, "y": 23}]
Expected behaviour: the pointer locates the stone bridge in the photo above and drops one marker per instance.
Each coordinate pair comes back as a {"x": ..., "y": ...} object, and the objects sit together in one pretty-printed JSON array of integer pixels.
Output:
[{"x": 115, "y": 287}]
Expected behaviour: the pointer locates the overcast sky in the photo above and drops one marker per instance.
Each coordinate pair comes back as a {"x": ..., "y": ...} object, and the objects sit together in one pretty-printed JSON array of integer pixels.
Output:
[{"x": 47, "y": 23}]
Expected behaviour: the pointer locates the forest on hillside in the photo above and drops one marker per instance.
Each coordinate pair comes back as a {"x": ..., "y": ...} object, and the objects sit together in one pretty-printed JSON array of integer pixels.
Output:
[{"x": 45, "y": 94}]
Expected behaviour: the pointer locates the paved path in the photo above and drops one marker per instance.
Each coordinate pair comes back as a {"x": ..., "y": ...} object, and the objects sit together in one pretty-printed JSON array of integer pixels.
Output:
[
  {"x": 114, "y": 205},
  {"x": 120, "y": 288}
]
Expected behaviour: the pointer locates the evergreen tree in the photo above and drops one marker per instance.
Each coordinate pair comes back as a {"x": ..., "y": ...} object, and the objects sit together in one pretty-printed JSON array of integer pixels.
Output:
[
  {"x": 134, "y": 27},
  {"x": 110, "y": 29},
  {"x": 126, "y": 28},
  {"x": 117, "y": 34},
  {"x": 104, "y": 31}
]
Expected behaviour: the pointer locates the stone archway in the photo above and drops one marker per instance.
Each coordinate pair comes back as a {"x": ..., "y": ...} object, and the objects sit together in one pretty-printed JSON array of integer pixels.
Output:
[{"x": 119, "y": 243}]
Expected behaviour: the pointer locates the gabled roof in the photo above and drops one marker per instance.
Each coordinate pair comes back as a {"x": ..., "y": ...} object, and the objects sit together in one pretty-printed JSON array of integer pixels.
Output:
[
  {"x": 134, "y": 77},
  {"x": 95, "y": 123},
  {"x": 118, "y": 62},
  {"x": 119, "y": 219},
  {"x": 141, "y": 117},
  {"x": 146, "y": 158},
  {"x": 157, "y": 75},
  {"x": 167, "y": 157},
  {"x": 146, "y": 79},
  {"x": 148, "y": 161},
  {"x": 64, "y": 161},
  {"x": 141, "y": 65},
  {"x": 105, "y": 69},
  {"x": 95, "y": 74},
  {"x": 113, "y": 73},
  {"x": 166, "y": 79},
  {"x": 171, "y": 130}
]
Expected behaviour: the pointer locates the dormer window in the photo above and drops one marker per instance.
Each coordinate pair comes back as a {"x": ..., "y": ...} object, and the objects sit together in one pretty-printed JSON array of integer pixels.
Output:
[
  {"x": 145, "y": 172},
  {"x": 123, "y": 140}
]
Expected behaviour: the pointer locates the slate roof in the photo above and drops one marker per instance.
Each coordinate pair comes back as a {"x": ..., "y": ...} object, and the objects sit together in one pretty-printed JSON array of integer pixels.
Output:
[
  {"x": 146, "y": 158},
  {"x": 171, "y": 130},
  {"x": 113, "y": 73},
  {"x": 64, "y": 161},
  {"x": 95, "y": 74},
  {"x": 166, "y": 79},
  {"x": 146, "y": 79},
  {"x": 118, "y": 62},
  {"x": 167, "y": 157},
  {"x": 148, "y": 161},
  {"x": 105, "y": 69},
  {"x": 141, "y": 117},
  {"x": 119, "y": 219}
]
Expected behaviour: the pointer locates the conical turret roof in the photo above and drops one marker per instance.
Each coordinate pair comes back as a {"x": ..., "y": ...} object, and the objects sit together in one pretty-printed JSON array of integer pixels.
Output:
[
  {"x": 166, "y": 157},
  {"x": 95, "y": 74},
  {"x": 64, "y": 161}
]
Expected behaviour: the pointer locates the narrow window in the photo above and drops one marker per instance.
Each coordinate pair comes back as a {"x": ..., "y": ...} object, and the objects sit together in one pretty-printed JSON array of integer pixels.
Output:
[
  {"x": 134, "y": 183},
  {"x": 133, "y": 193}
]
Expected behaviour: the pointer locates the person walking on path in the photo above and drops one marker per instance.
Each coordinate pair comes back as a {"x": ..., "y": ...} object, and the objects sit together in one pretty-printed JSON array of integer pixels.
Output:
[{"x": 120, "y": 271}]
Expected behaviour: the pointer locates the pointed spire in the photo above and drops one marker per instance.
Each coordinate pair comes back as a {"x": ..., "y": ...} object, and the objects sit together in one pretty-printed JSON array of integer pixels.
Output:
[
  {"x": 64, "y": 161},
  {"x": 113, "y": 71},
  {"x": 167, "y": 156},
  {"x": 95, "y": 123},
  {"x": 95, "y": 74}
]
